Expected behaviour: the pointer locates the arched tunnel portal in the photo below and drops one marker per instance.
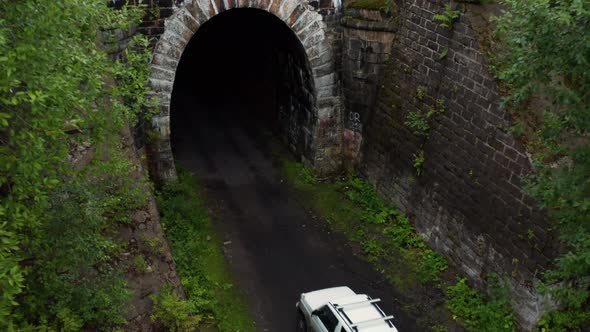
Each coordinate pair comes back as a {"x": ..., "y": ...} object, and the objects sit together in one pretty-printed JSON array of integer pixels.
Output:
[
  {"x": 244, "y": 70},
  {"x": 256, "y": 66}
]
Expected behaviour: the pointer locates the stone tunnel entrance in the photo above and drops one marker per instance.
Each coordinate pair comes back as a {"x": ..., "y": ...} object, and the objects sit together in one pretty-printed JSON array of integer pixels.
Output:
[
  {"x": 272, "y": 58},
  {"x": 244, "y": 67}
]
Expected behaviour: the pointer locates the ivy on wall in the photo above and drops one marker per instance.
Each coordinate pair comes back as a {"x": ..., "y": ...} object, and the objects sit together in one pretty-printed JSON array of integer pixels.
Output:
[{"x": 547, "y": 53}]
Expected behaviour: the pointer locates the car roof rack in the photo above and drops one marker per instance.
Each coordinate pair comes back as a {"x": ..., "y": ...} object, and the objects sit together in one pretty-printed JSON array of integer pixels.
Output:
[
  {"x": 356, "y": 326},
  {"x": 347, "y": 305},
  {"x": 371, "y": 321}
]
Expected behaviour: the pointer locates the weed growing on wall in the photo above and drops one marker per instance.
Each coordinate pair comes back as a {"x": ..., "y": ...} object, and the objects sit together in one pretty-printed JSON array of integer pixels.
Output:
[
  {"x": 57, "y": 269},
  {"x": 419, "y": 122},
  {"x": 552, "y": 62},
  {"x": 448, "y": 17},
  {"x": 418, "y": 161}
]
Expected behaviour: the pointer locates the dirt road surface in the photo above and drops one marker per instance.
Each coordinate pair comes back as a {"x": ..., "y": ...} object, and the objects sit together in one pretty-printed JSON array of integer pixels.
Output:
[{"x": 275, "y": 248}]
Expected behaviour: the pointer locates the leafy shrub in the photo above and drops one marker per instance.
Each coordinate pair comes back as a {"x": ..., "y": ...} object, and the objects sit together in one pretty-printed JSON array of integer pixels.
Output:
[
  {"x": 362, "y": 193},
  {"x": 55, "y": 220},
  {"x": 478, "y": 312},
  {"x": 433, "y": 265},
  {"x": 173, "y": 312},
  {"x": 401, "y": 234},
  {"x": 308, "y": 176},
  {"x": 551, "y": 62},
  {"x": 373, "y": 249},
  {"x": 383, "y": 216}
]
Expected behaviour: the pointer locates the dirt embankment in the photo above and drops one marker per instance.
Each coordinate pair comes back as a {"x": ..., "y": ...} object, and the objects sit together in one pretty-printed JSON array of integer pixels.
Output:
[{"x": 145, "y": 259}]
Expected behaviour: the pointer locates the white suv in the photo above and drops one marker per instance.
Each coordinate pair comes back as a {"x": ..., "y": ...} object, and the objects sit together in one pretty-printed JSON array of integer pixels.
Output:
[{"x": 339, "y": 309}]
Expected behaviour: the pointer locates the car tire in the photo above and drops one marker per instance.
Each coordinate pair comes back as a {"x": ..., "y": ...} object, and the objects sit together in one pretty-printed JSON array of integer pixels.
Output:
[{"x": 301, "y": 324}]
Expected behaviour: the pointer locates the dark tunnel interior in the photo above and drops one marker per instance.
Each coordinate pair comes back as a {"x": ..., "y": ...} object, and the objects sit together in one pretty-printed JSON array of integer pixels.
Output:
[{"x": 243, "y": 67}]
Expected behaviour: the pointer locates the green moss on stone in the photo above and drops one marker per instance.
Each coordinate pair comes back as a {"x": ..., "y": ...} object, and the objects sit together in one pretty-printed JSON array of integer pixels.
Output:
[{"x": 368, "y": 4}]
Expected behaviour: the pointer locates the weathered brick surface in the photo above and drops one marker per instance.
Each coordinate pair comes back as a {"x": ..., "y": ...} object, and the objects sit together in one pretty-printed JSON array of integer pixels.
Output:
[
  {"x": 295, "y": 102},
  {"x": 469, "y": 201},
  {"x": 367, "y": 40}
]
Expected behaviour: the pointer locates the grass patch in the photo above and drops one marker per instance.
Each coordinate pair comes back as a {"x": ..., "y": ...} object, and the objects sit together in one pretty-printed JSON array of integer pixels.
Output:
[
  {"x": 211, "y": 294},
  {"x": 352, "y": 207}
]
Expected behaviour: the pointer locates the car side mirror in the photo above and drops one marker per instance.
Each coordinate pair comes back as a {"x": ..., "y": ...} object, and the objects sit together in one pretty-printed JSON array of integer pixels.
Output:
[{"x": 315, "y": 312}]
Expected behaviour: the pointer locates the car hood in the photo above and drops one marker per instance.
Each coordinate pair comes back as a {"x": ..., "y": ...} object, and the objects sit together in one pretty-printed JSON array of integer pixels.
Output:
[{"x": 319, "y": 298}]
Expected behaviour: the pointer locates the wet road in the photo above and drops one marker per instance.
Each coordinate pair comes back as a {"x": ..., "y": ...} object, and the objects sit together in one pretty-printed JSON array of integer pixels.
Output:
[{"x": 277, "y": 249}]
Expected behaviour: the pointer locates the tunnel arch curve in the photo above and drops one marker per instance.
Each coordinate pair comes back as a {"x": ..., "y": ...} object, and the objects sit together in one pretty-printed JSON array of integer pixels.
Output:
[{"x": 309, "y": 28}]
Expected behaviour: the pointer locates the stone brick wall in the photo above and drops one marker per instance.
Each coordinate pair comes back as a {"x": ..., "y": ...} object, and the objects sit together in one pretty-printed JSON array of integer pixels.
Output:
[
  {"x": 367, "y": 40},
  {"x": 468, "y": 199},
  {"x": 294, "y": 102}
]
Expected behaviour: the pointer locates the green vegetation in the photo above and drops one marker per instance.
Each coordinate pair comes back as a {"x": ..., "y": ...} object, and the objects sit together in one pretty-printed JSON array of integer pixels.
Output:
[
  {"x": 154, "y": 243},
  {"x": 552, "y": 63},
  {"x": 448, "y": 17},
  {"x": 491, "y": 313},
  {"x": 418, "y": 162},
  {"x": 419, "y": 123},
  {"x": 139, "y": 264},
  {"x": 57, "y": 269},
  {"x": 443, "y": 54},
  {"x": 420, "y": 92},
  {"x": 353, "y": 207},
  {"x": 173, "y": 312},
  {"x": 368, "y": 4},
  {"x": 201, "y": 265}
]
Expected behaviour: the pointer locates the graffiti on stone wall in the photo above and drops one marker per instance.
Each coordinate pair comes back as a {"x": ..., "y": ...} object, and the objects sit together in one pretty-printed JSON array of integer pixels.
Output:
[{"x": 354, "y": 121}]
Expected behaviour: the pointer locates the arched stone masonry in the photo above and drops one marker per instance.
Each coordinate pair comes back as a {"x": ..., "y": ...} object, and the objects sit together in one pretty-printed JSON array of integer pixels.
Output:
[{"x": 310, "y": 29}]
